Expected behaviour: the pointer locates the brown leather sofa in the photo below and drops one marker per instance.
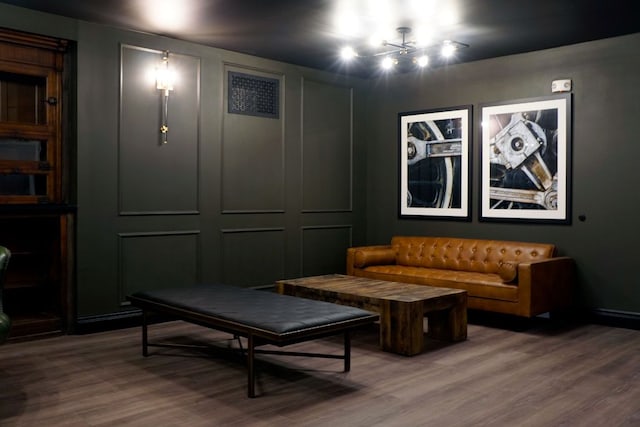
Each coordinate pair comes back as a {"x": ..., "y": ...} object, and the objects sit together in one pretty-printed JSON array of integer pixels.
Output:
[{"x": 518, "y": 278}]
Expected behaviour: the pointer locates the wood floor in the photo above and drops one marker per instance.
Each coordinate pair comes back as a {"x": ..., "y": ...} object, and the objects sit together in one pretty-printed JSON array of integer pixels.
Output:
[{"x": 580, "y": 375}]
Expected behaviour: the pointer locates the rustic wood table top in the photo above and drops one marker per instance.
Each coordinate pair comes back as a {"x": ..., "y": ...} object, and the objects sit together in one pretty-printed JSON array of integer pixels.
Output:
[{"x": 371, "y": 288}]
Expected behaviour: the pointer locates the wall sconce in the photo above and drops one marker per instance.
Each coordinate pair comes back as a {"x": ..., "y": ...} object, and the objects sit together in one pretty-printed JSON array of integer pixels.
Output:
[{"x": 164, "y": 82}]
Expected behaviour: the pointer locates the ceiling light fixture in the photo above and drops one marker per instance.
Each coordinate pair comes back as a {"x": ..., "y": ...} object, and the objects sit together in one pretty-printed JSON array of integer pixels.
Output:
[{"x": 406, "y": 48}]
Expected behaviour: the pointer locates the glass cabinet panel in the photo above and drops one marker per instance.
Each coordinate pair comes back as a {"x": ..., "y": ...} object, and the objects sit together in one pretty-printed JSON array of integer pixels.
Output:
[
  {"x": 23, "y": 185},
  {"x": 23, "y": 149},
  {"x": 22, "y": 98},
  {"x": 20, "y": 175}
]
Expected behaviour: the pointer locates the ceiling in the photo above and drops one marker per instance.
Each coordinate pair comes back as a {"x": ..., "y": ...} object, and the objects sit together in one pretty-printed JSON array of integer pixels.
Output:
[{"x": 306, "y": 32}]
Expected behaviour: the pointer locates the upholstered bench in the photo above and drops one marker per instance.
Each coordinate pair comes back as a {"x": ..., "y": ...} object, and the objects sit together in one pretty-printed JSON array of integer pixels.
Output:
[{"x": 260, "y": 316}]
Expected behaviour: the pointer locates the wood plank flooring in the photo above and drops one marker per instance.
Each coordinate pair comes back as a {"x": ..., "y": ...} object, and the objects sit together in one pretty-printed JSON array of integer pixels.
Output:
[{"x": 547, "y": 375}]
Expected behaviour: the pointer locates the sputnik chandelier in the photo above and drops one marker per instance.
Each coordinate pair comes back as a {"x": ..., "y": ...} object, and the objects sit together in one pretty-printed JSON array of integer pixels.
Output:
[{"x": 407, "y": 49}]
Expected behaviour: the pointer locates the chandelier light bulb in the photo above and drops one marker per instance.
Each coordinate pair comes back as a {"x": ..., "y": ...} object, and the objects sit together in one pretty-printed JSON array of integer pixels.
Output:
[
  {"x": 448, "y": 49},
  {"x": 348, "y": 53},
  {"x": 388, "y": 63},
  {"x": 422, "y": 61}
]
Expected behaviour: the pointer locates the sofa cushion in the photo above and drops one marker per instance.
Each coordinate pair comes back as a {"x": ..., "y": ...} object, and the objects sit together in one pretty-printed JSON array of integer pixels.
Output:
[
  {"x": 374, "y": 256},
  {"x": 507, "y": 271}
]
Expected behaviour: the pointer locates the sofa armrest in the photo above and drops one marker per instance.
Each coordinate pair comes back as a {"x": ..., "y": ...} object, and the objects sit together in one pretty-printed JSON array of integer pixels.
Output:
[
  {"x": 545, "y": 285},
  {"x": 363, "y": 256}
]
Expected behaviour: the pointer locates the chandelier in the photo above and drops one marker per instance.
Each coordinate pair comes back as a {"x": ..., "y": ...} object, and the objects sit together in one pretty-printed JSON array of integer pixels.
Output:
[{"x": 393, "y": 53}]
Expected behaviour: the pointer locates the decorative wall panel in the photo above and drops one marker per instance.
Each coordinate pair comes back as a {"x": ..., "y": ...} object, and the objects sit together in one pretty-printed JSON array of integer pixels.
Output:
[
  {"x": 157, "y": 260},
  {"x": 253, "y": 257},
  {"x": 252, "y": 152},
  {"x": 324, "y": 249},
  {"x": 327, "y": 147},
  {"x": 157, "y": 178}
]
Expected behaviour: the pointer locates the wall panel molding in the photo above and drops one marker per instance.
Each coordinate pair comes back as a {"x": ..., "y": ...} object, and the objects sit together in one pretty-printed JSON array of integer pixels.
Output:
[
  {"x": 253, "y": 256},
  {"x": 327, "y": 147},
  {"x": 157, "y": 259},
  {"x": 252, "y": 149},
  {"x": 324, "y": 248},
  {"x": 156, "y": 178}
]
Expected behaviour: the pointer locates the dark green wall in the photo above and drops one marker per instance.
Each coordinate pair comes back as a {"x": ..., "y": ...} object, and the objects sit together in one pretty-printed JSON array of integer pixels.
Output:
[
  {"x": 227, "y": 198},
  {"x": 235, "y": 198},
  {"x": 606, "y": 107},
  {"x": 327, "y": 176}
]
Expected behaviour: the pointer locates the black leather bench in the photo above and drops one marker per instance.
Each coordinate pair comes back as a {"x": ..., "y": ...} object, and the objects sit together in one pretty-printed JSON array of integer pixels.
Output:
[{"x": 260, "y": 316}]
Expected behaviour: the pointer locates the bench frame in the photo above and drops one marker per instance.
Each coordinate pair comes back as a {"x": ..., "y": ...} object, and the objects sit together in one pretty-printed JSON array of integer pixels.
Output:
[{"x": 255, "y": 336}]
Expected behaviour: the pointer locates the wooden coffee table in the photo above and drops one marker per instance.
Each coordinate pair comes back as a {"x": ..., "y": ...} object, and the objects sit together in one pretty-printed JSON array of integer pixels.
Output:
[{"x": 401, "y": 306}]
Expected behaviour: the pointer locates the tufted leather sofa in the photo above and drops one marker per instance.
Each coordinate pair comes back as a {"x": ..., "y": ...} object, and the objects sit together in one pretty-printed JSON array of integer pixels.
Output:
[{"x": 518, "y": 278}]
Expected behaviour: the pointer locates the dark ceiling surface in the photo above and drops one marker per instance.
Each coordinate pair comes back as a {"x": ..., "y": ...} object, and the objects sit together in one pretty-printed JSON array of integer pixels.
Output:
[{"x": 303, "y": 32}]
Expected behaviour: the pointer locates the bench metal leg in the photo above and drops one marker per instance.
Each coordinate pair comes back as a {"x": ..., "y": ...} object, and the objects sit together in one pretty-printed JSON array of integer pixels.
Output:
[
  {"x": 251, "y": 352},
  {"x": 251, "y": 367},
  {"x": 347, "y": 350},
  {"x": 145, "y": 345}
]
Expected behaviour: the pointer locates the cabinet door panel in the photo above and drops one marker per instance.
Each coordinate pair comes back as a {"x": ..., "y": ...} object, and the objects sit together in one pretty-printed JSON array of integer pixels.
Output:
[
  {"x": 22, "y": 98},
  {"x": 29, "y": 133},
  {"x": 33, "y": 215}
]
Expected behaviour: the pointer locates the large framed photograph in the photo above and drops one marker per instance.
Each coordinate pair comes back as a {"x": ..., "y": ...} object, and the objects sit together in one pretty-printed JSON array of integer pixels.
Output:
[
  {"x": 434, "y": 163},
  {"x": 526, "y": 160}
]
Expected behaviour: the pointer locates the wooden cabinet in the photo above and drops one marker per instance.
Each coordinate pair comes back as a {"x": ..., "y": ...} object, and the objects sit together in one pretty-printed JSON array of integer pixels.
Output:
[
  {"x": 36, "y": 292},
  {"x": 35, "y": 216}
]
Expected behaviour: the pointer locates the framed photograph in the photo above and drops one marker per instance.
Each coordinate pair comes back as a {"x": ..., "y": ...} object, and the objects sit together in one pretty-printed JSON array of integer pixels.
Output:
[
  {"x": 525, "y": 167},
  {"x": 434, "y": 163}
]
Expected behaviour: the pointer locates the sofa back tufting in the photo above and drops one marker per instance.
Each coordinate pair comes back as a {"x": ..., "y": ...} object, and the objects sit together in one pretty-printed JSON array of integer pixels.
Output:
[{"x": 481, "y": 256}]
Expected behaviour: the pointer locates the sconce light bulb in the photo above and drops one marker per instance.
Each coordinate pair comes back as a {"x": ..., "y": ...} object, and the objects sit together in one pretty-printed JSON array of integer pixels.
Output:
[{"x": 164, "y": 75}]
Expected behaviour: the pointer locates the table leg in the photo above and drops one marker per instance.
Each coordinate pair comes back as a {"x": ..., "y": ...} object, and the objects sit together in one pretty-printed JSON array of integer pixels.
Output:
[
  {"x": 145, "y": 351},
  {"x": 449, "y": 324},
  {"x": 401, "y": 327}
]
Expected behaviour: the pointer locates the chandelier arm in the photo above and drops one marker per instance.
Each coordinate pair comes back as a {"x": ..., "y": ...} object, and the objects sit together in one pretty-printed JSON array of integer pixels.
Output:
[
  {"x": 407, "y": 51},
  {"x": 399, "y": 46}
]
